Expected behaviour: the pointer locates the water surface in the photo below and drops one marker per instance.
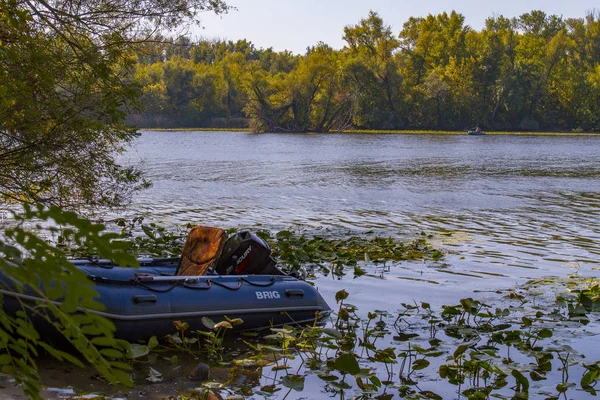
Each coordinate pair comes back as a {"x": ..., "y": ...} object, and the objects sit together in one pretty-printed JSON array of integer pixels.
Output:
[{"x": 504, "y": 208}]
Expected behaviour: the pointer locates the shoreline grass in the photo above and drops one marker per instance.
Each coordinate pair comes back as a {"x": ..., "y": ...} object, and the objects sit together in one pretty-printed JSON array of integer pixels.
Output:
[
  {"x": 380, "y": 132},
  {"x": 195, "y": 129},
  {"x": 487, "y": 133}
]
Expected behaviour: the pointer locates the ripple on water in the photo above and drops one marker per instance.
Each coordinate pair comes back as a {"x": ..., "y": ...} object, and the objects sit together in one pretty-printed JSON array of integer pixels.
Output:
[{"x": 504, "y": 209}]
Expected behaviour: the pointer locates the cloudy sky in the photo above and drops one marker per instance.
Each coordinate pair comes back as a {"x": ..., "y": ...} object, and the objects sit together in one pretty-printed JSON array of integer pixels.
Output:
[{"x": 296, "y": 24}]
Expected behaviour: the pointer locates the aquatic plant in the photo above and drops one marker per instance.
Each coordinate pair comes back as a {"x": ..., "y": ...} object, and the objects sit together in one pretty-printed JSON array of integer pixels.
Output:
[
  {"x": 215, "y": 335},
  {"x": 501, "y": 348},
  {"x": 294, "y": 251},
  {"x": 509, "y": 344}
]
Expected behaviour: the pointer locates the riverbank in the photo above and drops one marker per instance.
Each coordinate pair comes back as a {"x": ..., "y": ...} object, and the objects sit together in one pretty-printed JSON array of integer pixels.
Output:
[{"x": 374, "y": 131}]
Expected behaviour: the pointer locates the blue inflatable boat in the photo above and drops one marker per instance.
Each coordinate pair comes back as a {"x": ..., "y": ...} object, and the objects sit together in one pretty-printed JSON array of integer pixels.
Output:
[{"x": 146, "y": 301}]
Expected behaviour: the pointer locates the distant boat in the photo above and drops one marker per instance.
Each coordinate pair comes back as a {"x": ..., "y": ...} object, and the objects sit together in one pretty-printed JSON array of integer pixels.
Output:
[{"x": 476, "y": 133}]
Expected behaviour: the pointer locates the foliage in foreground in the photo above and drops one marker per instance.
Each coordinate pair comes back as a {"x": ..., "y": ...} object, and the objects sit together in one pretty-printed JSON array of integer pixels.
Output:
[
  {"x": 521, "y": 342},
  {"x": 509, "y": 347},
  {"x": 30, "y": 265}
]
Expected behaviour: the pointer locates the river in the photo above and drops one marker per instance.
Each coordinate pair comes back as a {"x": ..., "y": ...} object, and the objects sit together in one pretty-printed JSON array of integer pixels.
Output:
[{"x": 505, "y": 208}]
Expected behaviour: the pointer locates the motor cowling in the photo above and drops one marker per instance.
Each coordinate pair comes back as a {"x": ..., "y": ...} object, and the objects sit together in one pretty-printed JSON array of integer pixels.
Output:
[{"x": 244, "y": 253}]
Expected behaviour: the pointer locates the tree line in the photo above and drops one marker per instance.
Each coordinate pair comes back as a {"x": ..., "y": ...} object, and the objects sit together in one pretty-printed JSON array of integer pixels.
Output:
[{"x": 534, "y": 72}]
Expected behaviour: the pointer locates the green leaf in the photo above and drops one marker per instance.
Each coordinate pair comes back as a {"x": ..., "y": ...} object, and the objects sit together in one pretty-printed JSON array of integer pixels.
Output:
[
  {"x": 375, "y": 381},
  {"x": 347, "y": 363},
  {"x": 358, "y": 272},
  {"x": 333, "y": 332},
  {"x": 341, "y": 295},
  {"x": 207, "y": 322},
  {"x": 563, "y": 387},
  {"x": 104, "y": 341},
  {"x": 588, "y": 378},
  {"x": 426, "y": 394},
  {"x": 521, "y": 380},
  {"x": 420, "y": 364},
  {"x": 328, "y": 377},
  {"x": 295, "y": 382},
  {"x": 118, "y": 376},
  {"x": 137, "y": 351},
  {"x": 545, "y": 333},
  {"x": 404, "y": 337},
  {"x": 61, "y": 355},
  {"x": 460, "y": 350},
  {"x": 535, "y": 376},
  {"x": 152, "y": 342},
  {"x": 112, "y": 353},
  {"x": 5, "y": 359}
]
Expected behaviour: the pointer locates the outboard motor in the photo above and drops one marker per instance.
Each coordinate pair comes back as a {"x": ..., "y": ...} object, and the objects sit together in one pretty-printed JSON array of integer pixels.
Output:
[{"x": 244, "y": 253}]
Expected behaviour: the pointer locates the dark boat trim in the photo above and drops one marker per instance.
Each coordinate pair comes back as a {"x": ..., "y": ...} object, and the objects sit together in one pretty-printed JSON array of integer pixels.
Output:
[{"x": 141, "y": 317}]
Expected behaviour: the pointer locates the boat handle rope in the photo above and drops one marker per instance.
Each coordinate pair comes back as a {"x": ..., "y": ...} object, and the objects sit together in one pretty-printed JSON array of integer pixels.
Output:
[
  {"x": 208, "y": 286},
  {"x": 238, "y": 287},
  {"x": 173, "y": 286},
  {"x": 241, "y": 281},
  {"x": 270, "y": 283},
  {"x": 184, "y": 284},
  {"x": 137, "y": 282}
]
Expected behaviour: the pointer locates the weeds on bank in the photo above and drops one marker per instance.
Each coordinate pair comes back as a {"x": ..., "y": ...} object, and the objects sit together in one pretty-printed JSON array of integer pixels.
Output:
[{"x": 510, "y": 347}]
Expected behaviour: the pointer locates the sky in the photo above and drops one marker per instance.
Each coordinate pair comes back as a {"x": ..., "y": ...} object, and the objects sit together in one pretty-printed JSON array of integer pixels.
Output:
[{"x": 295, "y": 25}]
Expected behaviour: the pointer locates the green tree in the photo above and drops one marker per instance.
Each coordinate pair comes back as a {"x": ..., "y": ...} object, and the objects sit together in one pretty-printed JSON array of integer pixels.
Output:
[
  {"x": 572, "y": 98},
  {"x": 435, "y": 54},
  {"x": 66, "y": 86},
  {"x": 317, "y": 102},
  {"x": 308, "y": 99},
  {"x": 531, "y": 72},
  {"x": 233, "y": 96},
  {"x": 372, "y": 73},
  {"x": 266, "y": 99},
  {"x": 432, "y": 41}
]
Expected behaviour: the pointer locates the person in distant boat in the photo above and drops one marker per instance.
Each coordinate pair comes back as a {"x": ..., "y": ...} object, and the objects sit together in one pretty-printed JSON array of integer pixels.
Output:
[{"x": 478, "y": 129}]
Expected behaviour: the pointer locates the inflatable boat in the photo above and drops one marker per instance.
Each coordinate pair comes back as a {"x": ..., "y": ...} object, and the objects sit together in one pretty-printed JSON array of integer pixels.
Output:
[{"x": 146, "y": 301}]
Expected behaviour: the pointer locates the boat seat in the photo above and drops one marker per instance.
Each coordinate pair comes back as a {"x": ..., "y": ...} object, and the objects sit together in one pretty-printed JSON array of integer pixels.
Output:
[{"x": 201, "y": 249}]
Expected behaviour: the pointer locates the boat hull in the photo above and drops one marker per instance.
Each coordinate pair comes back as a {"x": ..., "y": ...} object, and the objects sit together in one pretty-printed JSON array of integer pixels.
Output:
[{"x": 146, "y": 302}]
